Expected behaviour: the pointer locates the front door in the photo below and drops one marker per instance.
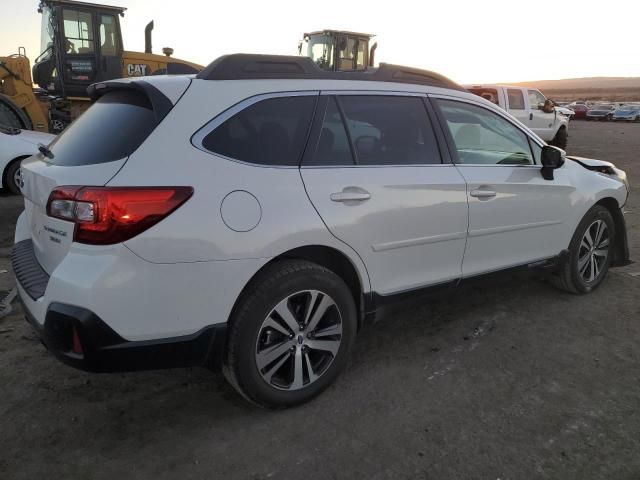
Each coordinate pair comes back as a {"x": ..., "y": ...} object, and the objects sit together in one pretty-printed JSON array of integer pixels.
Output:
[
  {"x": 540, "y": 121},
  {"x": 375, "y": 175},
  {"x": 515, "y": 216},
  {"x": 79, "y": 51}
]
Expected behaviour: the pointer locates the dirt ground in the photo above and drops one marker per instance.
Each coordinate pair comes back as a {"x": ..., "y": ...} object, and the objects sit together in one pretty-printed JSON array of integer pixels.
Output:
[{"x": 507, "y": 381}]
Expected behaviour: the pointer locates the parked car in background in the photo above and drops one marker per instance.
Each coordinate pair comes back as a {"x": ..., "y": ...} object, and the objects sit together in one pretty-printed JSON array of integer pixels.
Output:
[
  {"x": 529, "y": 106},
  {"x": 579, "y": 110},
  {"x": 16, "y": 145},
  {"x": 126, "y": 259},
  {"x": 601, "y": 112},
  {"x": 630, "y": 113},
  {"x": 567, "y": 112}
]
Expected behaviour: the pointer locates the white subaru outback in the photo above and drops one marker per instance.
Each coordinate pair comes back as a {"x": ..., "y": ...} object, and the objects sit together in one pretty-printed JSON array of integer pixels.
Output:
[{"x": 255, "y": 216}]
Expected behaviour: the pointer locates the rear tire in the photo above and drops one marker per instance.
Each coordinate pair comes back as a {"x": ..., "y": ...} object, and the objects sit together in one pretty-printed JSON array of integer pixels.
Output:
[
  {"x": 290, "y": 334},
  {"x": 560, "y": 140},
  {"x": 10, "y": 177},
  {"x": 590, "y": 253}
]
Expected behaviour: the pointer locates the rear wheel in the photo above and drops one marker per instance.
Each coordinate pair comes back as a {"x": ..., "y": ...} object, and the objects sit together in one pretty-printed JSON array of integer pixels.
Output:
[
  {"x": 560, "y": 140},
  {"x": 12, "y": 177},
  {"x": 290, "y": 336},
  {"x": 590, "y": 253}
]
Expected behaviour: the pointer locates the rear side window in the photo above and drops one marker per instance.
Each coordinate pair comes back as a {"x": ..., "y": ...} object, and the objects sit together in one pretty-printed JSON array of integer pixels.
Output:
[
  {"x": 111, "y": 129},
  {"x": 390, "y": 130},
  {"x": 516, "y": 99},
  {"x": 269, "y": 132}
]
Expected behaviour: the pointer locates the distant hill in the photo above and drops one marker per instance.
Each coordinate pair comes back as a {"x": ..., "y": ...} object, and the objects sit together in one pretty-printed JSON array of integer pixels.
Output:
[
  {"x": 589, "y": 82},
  {"x": 591, "y": 88}
]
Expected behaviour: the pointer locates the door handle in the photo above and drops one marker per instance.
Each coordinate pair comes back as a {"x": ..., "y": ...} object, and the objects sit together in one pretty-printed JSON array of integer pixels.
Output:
[
  {"x": 350, "y": 194},
  {"x": 482, "y": 193}
]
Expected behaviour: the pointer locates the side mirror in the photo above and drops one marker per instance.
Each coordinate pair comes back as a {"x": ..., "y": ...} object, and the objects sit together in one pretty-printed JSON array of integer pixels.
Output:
[
  {"x": 551, "y": 158},
  {"x": 548, "y": 106}
]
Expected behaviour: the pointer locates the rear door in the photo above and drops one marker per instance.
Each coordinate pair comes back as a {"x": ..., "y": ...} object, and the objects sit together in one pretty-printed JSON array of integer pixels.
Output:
[
  {"x": 89, "y": 152},
  {"x": 517, "y": 105},
  {"x": 515, "y": 216},
  {"x": 375, "y": 175}
]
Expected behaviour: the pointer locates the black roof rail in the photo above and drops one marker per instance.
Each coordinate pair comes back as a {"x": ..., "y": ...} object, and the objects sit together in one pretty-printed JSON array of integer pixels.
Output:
[{"x": 244, "y": 66}]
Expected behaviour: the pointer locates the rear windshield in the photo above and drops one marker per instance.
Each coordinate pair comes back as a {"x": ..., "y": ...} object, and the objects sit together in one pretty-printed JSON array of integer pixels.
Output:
[{"x": 111, "y": 129}]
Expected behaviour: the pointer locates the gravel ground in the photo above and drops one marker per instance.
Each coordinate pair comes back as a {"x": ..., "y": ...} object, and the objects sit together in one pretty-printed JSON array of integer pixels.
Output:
[{"x": 513, "y": 380}]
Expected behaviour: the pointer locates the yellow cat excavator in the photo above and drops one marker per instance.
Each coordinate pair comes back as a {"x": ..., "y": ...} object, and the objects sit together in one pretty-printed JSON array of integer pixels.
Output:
[{"x": 81, "y": 43}]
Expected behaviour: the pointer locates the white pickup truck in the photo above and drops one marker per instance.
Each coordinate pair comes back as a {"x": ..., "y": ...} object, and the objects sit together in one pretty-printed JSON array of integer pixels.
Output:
[{"x": 529, "y": 106}]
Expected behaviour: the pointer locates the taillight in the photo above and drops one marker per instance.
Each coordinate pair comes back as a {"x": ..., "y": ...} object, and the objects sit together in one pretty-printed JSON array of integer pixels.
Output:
[{"x": 108, "y": 215}]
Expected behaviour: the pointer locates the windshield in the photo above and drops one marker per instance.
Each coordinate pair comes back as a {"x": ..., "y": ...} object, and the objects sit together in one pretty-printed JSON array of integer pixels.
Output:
[
  {"x": 603, "y": 107},
  {"x": 628, "y": 108},
  {"x": 46, "y": 29},
  {"x": 320, "y": 50}
]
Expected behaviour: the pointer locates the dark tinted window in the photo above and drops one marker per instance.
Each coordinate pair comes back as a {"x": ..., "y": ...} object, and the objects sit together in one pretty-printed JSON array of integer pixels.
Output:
[
  {"x": 270, "y": 132},
  {"x": 516, "y": 99},
  {"x": 390, "y": 130},
  {"x": 333, "y": 145},
  {"x": 111, "y": 129}
]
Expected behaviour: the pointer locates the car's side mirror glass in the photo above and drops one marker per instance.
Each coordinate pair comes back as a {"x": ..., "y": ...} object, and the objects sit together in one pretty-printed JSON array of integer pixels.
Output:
[{"x": 551, "y": 158}]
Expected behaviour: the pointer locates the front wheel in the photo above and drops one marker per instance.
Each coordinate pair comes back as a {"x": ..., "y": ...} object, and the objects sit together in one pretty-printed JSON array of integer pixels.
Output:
[
  {"x": 560, "y": 140},
  {"x": 590, "y": 253},
  {"x": 290, "y": 334}
]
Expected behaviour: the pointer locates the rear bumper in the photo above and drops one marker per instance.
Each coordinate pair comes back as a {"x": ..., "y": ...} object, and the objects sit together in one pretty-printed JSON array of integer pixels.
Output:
[{"x": 79, "y": 338}]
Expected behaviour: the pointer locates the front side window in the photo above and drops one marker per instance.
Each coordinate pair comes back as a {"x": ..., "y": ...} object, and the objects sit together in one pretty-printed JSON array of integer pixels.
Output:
[
  {"x": 78, "y": 31},
  {"x": 516, "y": 99},
  {"x": 320, "y": 50},
  {"x": 482, "y": 137},
  {"x": 269, "y": 132},
  {"x": 390, "y": 130},
  {"x": 535, "y": 99}
]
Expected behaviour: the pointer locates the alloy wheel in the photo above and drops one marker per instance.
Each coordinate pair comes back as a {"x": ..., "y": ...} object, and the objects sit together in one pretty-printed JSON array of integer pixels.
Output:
[
  {"x": 17, "y": 179},
  {"x": 298, "y": 340},
  {"x": 594, "y": 251}
]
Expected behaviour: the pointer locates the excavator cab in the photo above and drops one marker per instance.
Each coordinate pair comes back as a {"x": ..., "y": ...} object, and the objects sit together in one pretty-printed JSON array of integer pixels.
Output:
[
  {"x": 338, "y": 50},
  {"x": 81, "y": 43}
]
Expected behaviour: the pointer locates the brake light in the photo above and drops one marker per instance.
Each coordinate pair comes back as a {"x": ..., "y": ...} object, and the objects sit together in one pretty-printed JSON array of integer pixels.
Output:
[{"x": 108, "y": 215}]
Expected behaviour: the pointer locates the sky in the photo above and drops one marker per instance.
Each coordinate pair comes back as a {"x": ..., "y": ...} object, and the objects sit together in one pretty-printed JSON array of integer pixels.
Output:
[{"x": 477, "y": 41}]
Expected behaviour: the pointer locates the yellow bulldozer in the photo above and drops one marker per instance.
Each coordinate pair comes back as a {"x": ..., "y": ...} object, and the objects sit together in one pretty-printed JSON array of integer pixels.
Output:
[{"x": 81, "y": 43}]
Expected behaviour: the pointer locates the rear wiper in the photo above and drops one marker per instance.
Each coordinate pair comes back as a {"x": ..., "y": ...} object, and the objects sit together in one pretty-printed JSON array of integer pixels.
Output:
[{"x": 45, "y": 151}]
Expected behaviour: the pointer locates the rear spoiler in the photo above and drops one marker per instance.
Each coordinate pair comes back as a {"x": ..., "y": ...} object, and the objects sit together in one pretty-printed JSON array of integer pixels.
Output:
[{"x": 159, "y": 101}]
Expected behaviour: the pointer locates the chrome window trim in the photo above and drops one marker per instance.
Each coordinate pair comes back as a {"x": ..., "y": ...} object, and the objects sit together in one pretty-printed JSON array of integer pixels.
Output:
[{"x": 198, "y": 137}]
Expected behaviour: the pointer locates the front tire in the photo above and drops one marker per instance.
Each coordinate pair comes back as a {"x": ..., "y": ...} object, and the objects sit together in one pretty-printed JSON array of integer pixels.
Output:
[
  {"x": 560, "y": 140},
  {"x": 290, "y": 334},
  {"x": 590, "y": 253}
]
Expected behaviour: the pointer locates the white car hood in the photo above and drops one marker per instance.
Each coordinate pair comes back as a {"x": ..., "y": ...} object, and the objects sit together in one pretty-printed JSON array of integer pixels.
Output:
[{"x": 590, "y": 162}]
